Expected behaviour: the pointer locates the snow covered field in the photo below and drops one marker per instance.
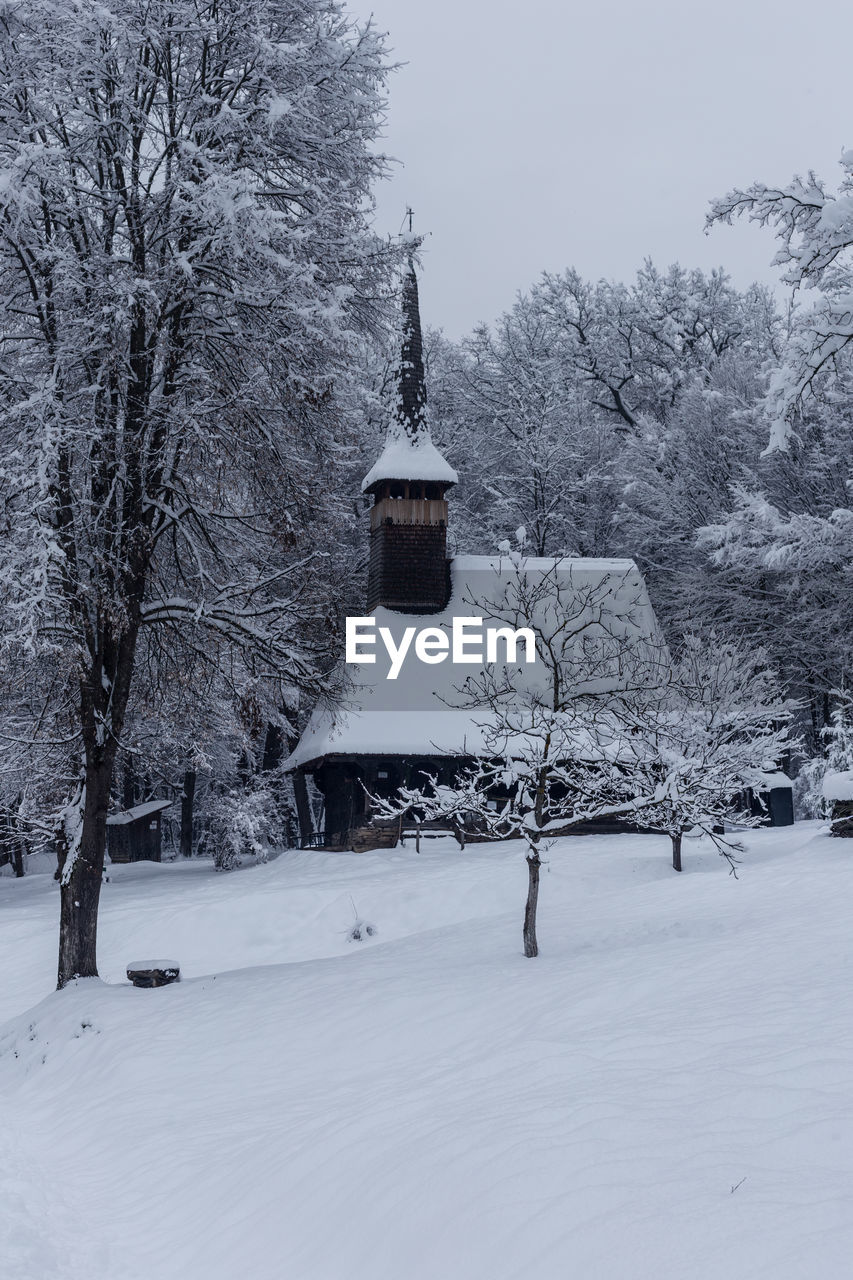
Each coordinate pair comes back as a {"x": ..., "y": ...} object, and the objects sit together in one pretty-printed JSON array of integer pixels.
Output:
[{"x": 667, "y": 1092}]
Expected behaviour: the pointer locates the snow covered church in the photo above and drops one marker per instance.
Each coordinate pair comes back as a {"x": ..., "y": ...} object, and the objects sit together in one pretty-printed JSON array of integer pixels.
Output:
[{"x": 383, "y": 733}]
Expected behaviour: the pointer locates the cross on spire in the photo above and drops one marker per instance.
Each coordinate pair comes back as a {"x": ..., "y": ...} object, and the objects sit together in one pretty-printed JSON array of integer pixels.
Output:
[{"x": 409, "y": 453}]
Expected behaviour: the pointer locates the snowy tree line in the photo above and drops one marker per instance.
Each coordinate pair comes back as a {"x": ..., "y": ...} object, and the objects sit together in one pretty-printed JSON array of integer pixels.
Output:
[
  {"x": 198, "y": 346},
  {"x": 632, "y": 420}
]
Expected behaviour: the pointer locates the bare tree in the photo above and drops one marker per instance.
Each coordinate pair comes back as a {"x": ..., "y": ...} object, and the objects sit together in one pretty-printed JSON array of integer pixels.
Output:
[
  {"x": 605, "y": 724},
  {"x": 550, "y": 731},
  {"x": 707, "y": 723}
]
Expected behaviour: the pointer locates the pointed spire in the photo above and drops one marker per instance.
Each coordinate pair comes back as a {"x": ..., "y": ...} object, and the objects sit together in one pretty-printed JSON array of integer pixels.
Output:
[
  {"x": 411, "y": 383},
  {"x": 409, "y": 453}
]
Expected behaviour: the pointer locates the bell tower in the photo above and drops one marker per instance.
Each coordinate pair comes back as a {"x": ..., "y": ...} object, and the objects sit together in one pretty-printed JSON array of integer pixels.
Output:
[{"x": 408, "y": 568}]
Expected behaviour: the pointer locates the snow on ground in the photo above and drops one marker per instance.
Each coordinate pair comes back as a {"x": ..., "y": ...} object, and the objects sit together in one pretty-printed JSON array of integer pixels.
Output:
[{"x": 666, "y": 1092}]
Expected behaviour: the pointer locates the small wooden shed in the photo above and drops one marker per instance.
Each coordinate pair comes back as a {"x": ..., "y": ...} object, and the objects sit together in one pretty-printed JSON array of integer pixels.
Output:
[
  {"x": 773, "y": 802},
  {"x": 135, "y": 835}
]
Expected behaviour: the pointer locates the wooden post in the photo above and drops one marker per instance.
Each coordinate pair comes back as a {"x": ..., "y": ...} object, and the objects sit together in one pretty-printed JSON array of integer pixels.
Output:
[{"x": 303, "y": 806}]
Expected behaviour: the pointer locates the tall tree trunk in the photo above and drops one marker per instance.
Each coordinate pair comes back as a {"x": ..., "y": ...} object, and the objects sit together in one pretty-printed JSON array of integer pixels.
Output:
[
  {"x": 128, "y": 784},
  {"x": 187, "y": 799},
  {"x": 534, "y": 862},
  {"x": 80, "y": 891},
  {"x": 104, "y": 691},
  {"x": 273, "y": 748},
  {"x": 17, "y": 848},
  {"x": 676, "y": 850}
]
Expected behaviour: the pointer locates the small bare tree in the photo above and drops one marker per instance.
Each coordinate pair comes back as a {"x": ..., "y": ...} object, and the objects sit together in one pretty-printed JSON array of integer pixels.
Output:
[
  {"x": 606, "y": 723},
  {"x": 707, "y": 723},
  {"x": 551, "y": 731}
]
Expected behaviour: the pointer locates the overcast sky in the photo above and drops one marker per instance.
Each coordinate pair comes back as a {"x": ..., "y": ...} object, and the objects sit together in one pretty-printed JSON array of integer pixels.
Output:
[{"x": 536, "y": 134}]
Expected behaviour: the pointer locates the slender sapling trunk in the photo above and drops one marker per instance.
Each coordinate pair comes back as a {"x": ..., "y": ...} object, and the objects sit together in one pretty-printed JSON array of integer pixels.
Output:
[
  {"x": 534, "y": 862},
  {"x": 675, "y": 836}
]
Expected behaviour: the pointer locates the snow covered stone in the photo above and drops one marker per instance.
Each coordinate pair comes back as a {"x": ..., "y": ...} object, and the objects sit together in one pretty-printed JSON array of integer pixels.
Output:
[
  {"x": 153, "y": 973},
  {"x": 838, "y": 784}
]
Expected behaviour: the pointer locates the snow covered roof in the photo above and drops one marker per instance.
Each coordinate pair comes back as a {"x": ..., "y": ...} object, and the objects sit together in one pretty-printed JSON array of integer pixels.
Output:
[
  {"x": 838, "y": 784},
  {"x": 407, "y": 457},
  {"x": 775, "y": 781},
  {"x": 409, "y": 453},
  {"x": 419, "y": 713},
  {"x": 138, "y": 811}
]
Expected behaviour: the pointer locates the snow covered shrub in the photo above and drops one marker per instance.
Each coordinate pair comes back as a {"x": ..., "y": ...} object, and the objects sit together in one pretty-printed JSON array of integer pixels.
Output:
[
  {"x": 245, "y": 824},
  {"x": 830, "y": 779},
  {"x": 827, "y": 778},
  {"x": 360, "y": 929},
  {"x": 809, "y": 800},
  {"x": 713, "y": 723}
]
